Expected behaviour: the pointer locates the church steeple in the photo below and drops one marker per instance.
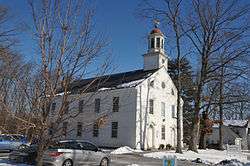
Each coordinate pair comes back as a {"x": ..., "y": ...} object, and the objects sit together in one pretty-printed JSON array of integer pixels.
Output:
[
  {"x": 156, "y": 39},
  {"x": 155, "y": 56}
]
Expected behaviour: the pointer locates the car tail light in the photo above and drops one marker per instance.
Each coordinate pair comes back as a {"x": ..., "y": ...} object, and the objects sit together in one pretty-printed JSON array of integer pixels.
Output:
[{"x": 55, "y": 154}]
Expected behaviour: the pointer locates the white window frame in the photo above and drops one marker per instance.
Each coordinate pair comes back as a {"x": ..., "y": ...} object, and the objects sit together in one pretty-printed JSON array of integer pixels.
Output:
[
  {"x": 173, "y": 110},
  {"x": 163, "y": 109}
]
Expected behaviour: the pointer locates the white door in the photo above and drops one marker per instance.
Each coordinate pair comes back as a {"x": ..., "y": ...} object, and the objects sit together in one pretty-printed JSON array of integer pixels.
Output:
[
  {"x": 173, "y": 137},
  {"x": 150, "y": 137}
]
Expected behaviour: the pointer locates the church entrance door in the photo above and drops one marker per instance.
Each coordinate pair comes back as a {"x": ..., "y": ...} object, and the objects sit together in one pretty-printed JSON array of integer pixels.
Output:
[{"x": 151, "y": 137}]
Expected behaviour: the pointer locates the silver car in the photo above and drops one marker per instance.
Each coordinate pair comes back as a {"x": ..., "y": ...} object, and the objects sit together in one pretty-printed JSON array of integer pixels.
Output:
[{"x": 73, "y": 152}]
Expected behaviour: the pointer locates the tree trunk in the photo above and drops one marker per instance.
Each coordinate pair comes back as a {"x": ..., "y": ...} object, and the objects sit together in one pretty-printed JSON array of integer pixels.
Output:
[
  {"x": 203, "y": 127},
  {"x": 179, "y": 121},
  {"x": 202, "y": 142},
  {"x": 179, "y": 111},
  {"x": 39, "y": 158},
  {"x": 40, "y": 151},
  {"x": 196, "y": 121},
  {"x": 194, "y": 137},
  {"x": 41, "y": 141},
  {"x": 221, "y": 100}
]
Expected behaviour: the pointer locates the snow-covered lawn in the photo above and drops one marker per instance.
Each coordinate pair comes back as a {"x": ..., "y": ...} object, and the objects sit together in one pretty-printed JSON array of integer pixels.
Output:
[
  {"x": 125, "y": 150},
  {"x": 208, "y": 156}
]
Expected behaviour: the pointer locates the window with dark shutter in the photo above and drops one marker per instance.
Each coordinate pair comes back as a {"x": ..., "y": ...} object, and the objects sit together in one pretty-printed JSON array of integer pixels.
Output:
[
  {"x": 81, "y": 102},
  {"x": 79, "y": 129},
  {"x": 97, "y": 105},
  {"x": 51, "y": 129},
  {"x": 95, "y": 130},
  {"x": 115, "y": 104},
  {"x": 66, "y": 107},
  {"x": 64, "y": 128},
  {"x": 163, "y": 131},
  {"x": 53, "y": 106},
  {"x": 114, "y": 131},
  {"x": 151, "y": 106}
]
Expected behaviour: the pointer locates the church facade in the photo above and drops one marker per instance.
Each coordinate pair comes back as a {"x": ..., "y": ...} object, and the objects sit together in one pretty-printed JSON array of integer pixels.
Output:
[{"x": 139, "y": 106}]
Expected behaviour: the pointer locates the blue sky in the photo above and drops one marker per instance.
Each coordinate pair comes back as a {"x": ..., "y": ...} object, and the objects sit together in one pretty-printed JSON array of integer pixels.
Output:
[{"x": 115, "y": 18}]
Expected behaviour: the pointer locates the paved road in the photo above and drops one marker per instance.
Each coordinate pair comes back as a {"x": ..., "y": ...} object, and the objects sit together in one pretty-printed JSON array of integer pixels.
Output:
[{"x": 129, "y": 159}]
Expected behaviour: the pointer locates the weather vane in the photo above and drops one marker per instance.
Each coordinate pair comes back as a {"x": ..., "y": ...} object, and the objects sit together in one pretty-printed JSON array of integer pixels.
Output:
[{"x": 156, "y": 22}]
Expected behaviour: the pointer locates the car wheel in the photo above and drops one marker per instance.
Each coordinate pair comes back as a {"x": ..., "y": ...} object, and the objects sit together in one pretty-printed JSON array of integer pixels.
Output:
[
  {"x": 67, "y": 162},
  {"x": 104, "y": 162}
]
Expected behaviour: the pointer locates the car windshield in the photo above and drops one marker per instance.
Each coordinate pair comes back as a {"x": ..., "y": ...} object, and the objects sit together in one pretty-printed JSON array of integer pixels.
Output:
[
  {"x": 88, "y": 146},
  {"x": 28, "y": 148},
  {"x": 18, "y": 137},
  {"x": 5, "y": 138},
  {"x": 12, "y": 138}
]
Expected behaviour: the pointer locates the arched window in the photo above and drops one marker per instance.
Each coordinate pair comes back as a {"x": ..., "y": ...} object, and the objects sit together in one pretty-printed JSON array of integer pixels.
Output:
[{"x": 162, "y": 43}]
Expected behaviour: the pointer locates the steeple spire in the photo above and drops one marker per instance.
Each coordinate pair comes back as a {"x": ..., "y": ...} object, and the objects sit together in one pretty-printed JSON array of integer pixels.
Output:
[{"x": 156, "y": 23}]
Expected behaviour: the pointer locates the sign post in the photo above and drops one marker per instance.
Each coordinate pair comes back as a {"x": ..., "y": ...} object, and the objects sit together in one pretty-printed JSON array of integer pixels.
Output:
[{"x": 169, "y": 161}]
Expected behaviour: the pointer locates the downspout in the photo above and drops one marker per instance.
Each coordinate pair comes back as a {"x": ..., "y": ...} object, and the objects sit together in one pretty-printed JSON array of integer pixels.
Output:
[{"x": 146, "y": 116}]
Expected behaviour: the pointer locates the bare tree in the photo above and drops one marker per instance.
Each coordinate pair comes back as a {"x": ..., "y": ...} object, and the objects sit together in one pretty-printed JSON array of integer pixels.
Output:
[
  {"x": 67, "y": 46},
  {"x": 13, "y": 69},
  {"x": 212, "y": 29}
]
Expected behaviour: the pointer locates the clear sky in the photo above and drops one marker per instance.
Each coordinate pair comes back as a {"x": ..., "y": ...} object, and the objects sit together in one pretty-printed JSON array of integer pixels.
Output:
[{"x": 114, "y": 17}]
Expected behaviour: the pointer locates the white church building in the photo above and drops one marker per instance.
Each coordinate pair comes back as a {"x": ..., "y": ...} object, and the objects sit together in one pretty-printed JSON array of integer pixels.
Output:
[{"x": 139, "y": 106}]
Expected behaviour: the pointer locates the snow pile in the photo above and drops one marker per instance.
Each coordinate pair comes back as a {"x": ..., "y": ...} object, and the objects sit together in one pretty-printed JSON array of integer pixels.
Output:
[
  {"x": 235, "y": 122},
  {"x": 125, "y": 150},
  {"x": 206, "y": 156},
  {"x": 133, "y": 165},
  {"x": 240, "y": 123},
  {"x": 231, "y": 163}
]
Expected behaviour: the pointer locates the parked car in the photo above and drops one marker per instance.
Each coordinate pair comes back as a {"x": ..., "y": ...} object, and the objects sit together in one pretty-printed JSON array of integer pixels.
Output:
[
  {"x": 64, "y": 153},
  {"x": 25, "y": 154},
  {"x": 9, "y": 142}
]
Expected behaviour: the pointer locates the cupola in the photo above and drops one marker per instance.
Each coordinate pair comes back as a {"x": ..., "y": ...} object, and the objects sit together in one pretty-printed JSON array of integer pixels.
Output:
[{"x": 155, "y": 56}]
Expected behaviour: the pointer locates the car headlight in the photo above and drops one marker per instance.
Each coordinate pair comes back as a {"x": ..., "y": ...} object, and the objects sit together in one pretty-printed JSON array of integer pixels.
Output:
[{"x": 21, "y": 147}]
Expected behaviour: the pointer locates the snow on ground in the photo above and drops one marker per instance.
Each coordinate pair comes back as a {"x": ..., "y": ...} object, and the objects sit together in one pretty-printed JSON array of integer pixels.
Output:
[
  {"x": 5, "y": 162},
  {"x": 124, "y": 150},
  {"x": 207, "y": 156}
]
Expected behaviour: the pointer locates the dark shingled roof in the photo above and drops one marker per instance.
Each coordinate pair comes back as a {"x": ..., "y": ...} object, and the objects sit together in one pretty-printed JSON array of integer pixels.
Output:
[{"x": 113, "y": 81}]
